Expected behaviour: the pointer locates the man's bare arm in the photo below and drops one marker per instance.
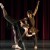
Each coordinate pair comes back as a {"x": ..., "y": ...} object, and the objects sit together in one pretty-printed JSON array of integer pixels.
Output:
[{"x": 36, "y": 9}]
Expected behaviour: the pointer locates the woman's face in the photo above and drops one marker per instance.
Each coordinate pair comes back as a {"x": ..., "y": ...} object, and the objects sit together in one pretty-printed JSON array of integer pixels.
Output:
[{"x": 29, "y": 15}]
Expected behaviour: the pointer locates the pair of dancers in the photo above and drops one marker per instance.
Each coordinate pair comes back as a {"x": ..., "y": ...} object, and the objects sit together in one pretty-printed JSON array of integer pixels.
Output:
[{"x": 25, "y": 25}]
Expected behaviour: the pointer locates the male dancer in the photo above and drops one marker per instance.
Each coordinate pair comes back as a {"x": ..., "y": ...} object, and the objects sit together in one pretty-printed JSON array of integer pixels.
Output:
[{"x": 11, "y": 21}]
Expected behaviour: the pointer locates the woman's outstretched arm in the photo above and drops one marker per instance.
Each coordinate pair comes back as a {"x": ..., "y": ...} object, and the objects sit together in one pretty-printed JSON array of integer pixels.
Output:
[{"x": 36, "y": 9}]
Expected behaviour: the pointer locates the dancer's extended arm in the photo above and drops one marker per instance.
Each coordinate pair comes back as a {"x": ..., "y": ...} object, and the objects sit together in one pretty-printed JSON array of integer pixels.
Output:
[{"x": 36, "y": 9}]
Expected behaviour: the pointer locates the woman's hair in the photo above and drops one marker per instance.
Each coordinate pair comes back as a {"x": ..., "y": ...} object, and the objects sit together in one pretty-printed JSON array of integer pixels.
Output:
[{"x": 29, "y": 12}]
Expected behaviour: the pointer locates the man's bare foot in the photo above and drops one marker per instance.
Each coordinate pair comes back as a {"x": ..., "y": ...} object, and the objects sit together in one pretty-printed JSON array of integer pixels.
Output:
[
  {"x": 35, "y": 47},
  {"x": 16, "y": 46},
  {"x": 1, "y": 5}
]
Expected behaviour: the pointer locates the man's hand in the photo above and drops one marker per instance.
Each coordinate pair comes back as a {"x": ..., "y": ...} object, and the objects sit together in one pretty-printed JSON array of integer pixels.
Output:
[{"x": 1, "y": 5}]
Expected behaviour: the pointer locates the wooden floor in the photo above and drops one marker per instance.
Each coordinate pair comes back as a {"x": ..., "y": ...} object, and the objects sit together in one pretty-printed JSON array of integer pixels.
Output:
[{"x": 42, "y": 45}]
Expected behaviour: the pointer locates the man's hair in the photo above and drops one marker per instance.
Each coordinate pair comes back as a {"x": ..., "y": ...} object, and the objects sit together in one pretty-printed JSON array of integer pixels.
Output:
[{"x": 29, "y": 12}]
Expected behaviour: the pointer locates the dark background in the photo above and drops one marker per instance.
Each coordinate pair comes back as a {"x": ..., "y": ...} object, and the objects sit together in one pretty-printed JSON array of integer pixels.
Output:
[{"x": 17, "y": 9}]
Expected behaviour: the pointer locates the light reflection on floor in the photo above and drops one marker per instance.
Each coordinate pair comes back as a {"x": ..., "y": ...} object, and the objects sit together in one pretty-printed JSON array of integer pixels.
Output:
[{"x": 7, "y": 45}]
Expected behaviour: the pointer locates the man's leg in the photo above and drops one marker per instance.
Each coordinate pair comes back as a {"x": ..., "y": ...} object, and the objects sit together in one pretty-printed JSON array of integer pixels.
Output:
[{"x": 16, "y": 46}]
